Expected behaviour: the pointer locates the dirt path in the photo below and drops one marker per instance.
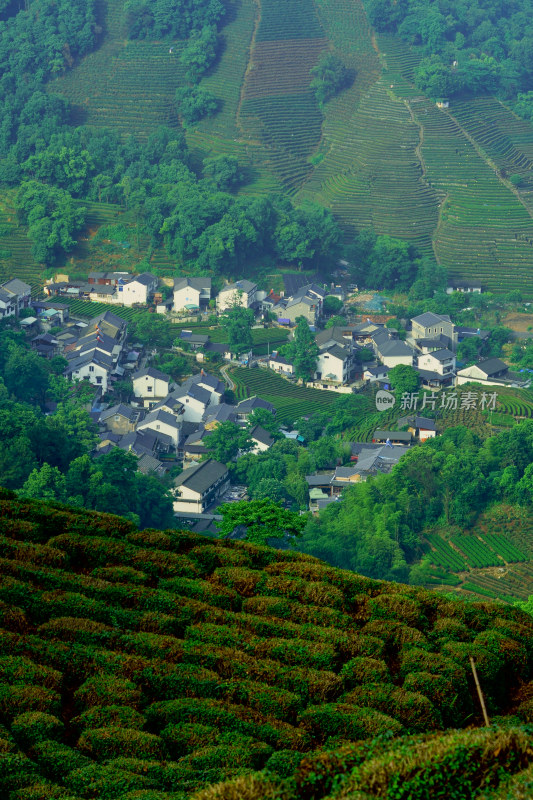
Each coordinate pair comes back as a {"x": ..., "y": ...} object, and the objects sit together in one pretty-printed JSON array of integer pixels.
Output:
[{"x": 227, "y": 379}]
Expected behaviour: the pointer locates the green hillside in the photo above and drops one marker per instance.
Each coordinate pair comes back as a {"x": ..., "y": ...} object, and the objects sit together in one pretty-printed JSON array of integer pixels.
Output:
[
  {"x": 456, "y": 182},
  {"x": 150, "y": 665}
]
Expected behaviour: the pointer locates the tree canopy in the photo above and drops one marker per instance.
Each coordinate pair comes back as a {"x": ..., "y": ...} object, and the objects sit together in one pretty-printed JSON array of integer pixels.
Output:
[
  {"x": 302, "y": 351},
  {"x": 261, "y": 521}
]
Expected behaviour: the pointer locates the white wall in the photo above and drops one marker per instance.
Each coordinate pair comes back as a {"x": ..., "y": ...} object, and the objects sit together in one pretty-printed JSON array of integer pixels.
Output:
[
  {"x": 185, "y": 296},
  {"x": 92, "y": 372},
  {"x": 150, "y": 388}
]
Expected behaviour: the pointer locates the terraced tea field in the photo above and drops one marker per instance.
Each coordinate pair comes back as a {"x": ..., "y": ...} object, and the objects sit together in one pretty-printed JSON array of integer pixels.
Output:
[
  {"x": 278, "y": 107},
  {"x": 290, "y": 401},
  {"x": 125, "y": 85},
  {"x": 16, "y": 260},
  {"x": 88, "y": 309}
]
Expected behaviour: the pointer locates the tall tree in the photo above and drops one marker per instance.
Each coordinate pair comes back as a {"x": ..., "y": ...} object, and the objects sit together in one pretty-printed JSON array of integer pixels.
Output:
[
  {"x": 302, "y": 351},
  {"x": 237, "y": 321},
  {"x": 260, "y": 521},
  {"x": 226, "y": 440}
]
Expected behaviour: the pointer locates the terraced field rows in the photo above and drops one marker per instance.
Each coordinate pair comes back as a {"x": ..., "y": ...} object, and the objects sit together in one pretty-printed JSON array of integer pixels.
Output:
[
  {"x": 136, "y": 93},
  {"x": 290, "y": 401},
  {"x": 278, "y": 108},
  {"x": 16, "y": 260}
]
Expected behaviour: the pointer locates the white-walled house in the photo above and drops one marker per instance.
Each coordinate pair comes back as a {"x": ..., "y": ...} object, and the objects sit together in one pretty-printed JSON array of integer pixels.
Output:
[
  {"x": 334, "y": 364},
  {"x": 280, "y": 365},
  {"x": 242, "y": 293},
  {"x": 492, "y": 372},
  {"x": 200, "y": 486},
  {"x": 261, "y": 438},
  {"x": 138, "y": 290},
  {"x": 190, "y": 293},
  {"x": 204, "y": 380},
  {"x": 20, "y": 291},
  {"x": 429, "y": 325},
  {"x": 8, "y": 304},
  {"x": 393, "y": 352},
  {"x": 150, "y": 385},
  {"x": 93, "y": 366},
  {"x": 196, "y": 400},
  {"x": 439, "y": 361},
  {"x": 161, "y": 421}
]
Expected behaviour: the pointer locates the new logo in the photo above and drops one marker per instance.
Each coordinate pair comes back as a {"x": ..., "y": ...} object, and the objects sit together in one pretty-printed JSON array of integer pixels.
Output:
[{"x": 384, "y": 400}]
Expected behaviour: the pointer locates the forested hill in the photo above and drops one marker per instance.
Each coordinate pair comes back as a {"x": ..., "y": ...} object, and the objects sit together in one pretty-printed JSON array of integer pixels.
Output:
[
  {"x": 327, "y": 105},
  {"x": 152, "y": 665}
]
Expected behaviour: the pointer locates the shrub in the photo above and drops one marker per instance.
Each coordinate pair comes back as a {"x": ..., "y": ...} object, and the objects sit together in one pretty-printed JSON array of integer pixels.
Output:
[
  {"x": 186, "y": 737},
  {"x": 445, "y": 629},
  {"x": 346, "y": 720},
  {"x": 197, "y": 589},
  {"x": 34, "y": 726},
  {"x": 396, "y": 607},
  {"x": 120, "y": 575},
  {"x": 106, "y": 783},
  {"x": 229, "y": 716},
  {"x": 43, "y": 791},
  {"x": 454, "y": 703},
  {"x": 103, "y": 743},
  {"x": 16, "y": 771},
  {"x": 284, "y": 762},
  {"x": 152, "y": 645},
  {"x": 268, "y": 700},
  {"x": 20, "y": 670},
  {"x": 15, "y": 700},
  {"x": 56, "y": 760},
  {"x": 396, "y": 635},
  {"x": 105, "y": 690},
  {"x": 165, "y": 682},
  {"x": 296, "y": 651},
  {"x": 12, "y": 618},
  {"x": 247, "y": 753},
  {"x": 248, "y": 787},
  {"x": 73, "y": 629},
  {"x": 193, "y": 103},
  {"x": 109, "y": 716},
  {"x": 364, "y": 670},
  {"x": 241, "y": 579}
]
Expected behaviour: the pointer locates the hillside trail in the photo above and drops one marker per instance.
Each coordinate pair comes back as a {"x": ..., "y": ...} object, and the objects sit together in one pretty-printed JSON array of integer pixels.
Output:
[{"x": 249, "y": 68}]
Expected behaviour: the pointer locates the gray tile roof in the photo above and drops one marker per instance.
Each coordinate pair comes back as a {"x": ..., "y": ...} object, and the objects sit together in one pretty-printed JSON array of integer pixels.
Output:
[
  {"x": 196, "y": 283},
  {"x": 241, "y": 285},
  {"x": 441, "y": 355},
  {"x": 394, "y": 348},
  {"x": 122, "y": 409},
  {"x": 16, "y": 286},
  {"x": 259, "y": 434},
  {"x": 145, "y": 278},
  {"x": 249, "y": 404},
  {"x": 429, "y": 320},
  {"x": 426, "y": 423},
  {"x": 404, "y": 436},
  {"x": 161, "y": 416},
  {"x": 491, "y": 365},
  {"x": 152, "y": 372},
  {"x": 200, "y": 478}
]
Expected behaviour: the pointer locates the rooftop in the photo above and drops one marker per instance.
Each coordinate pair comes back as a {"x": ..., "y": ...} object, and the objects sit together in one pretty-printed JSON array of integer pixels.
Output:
[{"x": 200, "y": 478}]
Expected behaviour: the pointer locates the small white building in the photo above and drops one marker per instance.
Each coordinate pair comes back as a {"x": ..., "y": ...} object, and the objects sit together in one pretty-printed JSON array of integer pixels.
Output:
[
  {"x": 393, "y": 352},
  {"x": 191, "y": 293},
  {"x": 138, "y": 290},
  {"x": 200, "y": 486},
  {"x": 93, "y": 366},
  {"x": 492, "y": 372},
  {"x": 19, "y": 291},
  {"x": 333, "y": 364},
  {"x": 242, "y": 293},
  {"x": 261, "y": 438},
  {"x": 440, "y": 361},
  {"x": 150, "y": 385},
  {"x": 280, "y": 365},
  {"x": 161, "y": 421}
]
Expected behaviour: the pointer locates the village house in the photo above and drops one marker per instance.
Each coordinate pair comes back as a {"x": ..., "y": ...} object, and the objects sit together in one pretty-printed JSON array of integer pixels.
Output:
[
  {"x": 150, "y": 385},
  {"x": 334, "y": 364},
  {"x": 199, "y": 487},
  {"x": 241, "y": 293},
  {"x": 423, "y": 428},
  {"x": 191, "y": 294},
  {"x": 14, "y": 296},
  {"x": 249, "y": 405},
  {"x": 261, "y": 438},
  {"x": 429, "y": 325},
  {"x": 137, "y": 290},
  {"x": 395, "y": 438},
  {"x": 280, "y": 365},
  {"x": 210, "y": 383},
  {"x": 491, "y": 372},
  {"x": 120, "y": 418},
  {"x": 162, "y": 422},
  {"x": 440, "y": 361}
]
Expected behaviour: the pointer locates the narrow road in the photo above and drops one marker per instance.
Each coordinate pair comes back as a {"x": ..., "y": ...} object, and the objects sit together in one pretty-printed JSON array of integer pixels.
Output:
[{"x": 227, "y": 379}]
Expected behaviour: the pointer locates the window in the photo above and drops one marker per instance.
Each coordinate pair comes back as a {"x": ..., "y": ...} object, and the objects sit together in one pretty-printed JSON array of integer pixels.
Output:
[
  {"x": 91, "y": 369},
  {"x": 117, "y": 417},
  {"x": 99, "y": 379},
  {"x": 149, "y": 388}
]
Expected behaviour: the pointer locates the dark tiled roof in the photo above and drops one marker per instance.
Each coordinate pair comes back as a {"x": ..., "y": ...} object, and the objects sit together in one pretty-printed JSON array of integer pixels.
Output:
[
  {"x": 201, "y": 477},
  {"x": 152, "y": 372},
  {"x": 261, "y": 435}
]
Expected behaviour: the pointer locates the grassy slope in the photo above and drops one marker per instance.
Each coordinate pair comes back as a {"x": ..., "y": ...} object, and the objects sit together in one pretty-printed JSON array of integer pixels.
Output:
[
  {"x": 385, "y": 157},
  {"x": 164, "y": 661}
]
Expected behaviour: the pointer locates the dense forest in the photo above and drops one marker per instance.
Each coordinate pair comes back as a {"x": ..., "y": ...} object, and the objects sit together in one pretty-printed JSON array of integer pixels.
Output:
[{"x": 468, "y": 46}]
